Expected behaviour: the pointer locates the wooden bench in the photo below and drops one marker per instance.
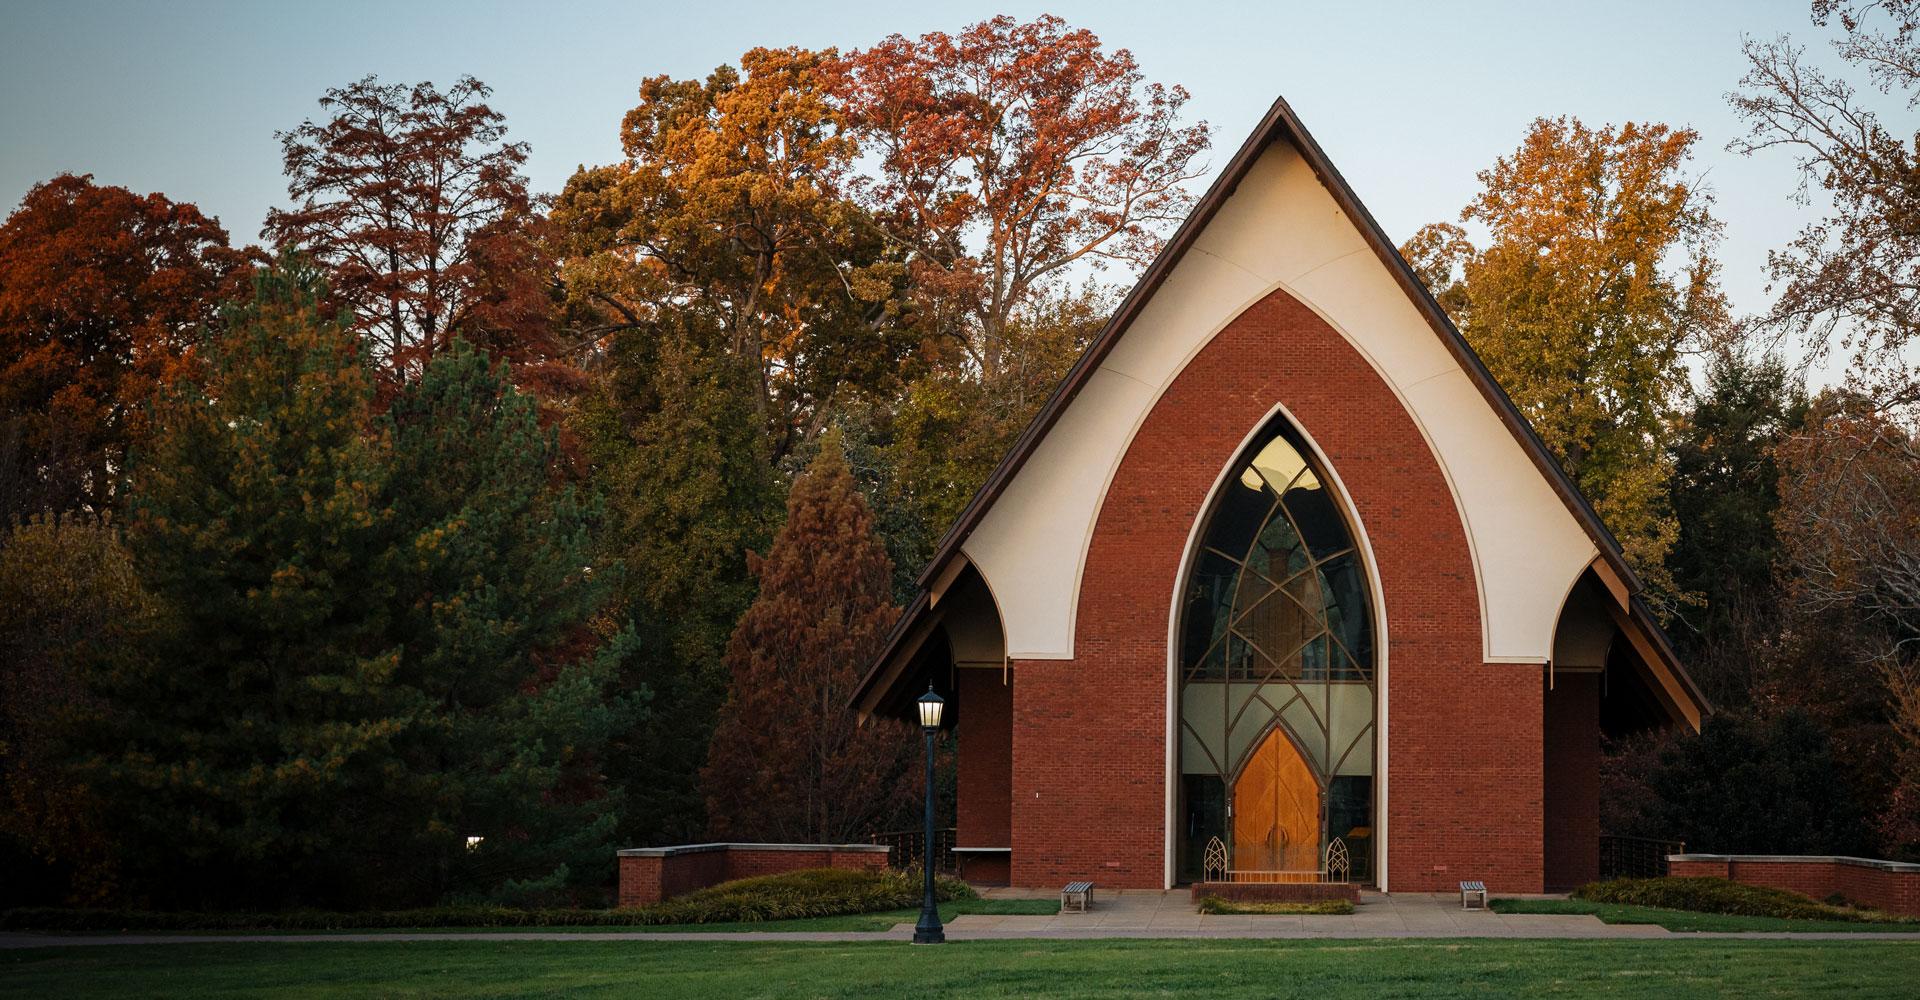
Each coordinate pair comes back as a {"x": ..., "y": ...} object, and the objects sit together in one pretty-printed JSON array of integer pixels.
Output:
[
  {"x": 1469, "y": 890},
  {"x": 1076, "y": 896}
]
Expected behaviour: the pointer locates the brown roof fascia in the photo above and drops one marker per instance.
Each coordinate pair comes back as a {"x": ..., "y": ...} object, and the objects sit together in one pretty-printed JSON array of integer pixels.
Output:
[{"x": 862, "y": 702}]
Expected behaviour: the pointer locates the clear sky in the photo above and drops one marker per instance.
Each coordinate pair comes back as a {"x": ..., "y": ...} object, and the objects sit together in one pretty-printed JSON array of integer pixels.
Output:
[{"x": 1409, "y": 99}]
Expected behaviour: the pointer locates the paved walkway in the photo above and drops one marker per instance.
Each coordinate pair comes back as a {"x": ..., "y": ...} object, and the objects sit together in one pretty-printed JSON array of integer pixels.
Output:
[
  {"x": 1153, "y": 914},
  {"x": 1115, "y": 914}
]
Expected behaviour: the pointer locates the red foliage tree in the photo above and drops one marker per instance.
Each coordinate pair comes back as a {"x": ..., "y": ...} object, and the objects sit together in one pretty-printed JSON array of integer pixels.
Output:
[
  {"x": 413, "y": 200},
  {"x": 101, "y": 292},
  {"x": 788, "y": 761},
  {"x": 1010, "y": 151}
]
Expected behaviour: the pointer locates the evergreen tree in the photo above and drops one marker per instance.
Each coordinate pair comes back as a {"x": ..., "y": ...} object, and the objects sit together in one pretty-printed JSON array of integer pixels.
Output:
[
  {"x": 788, "y": 761},
  {"x": 247, "y": 748},
  {"x": 1724, "y": 492},
  {"x": 504, "y": 667},
  {"x": 379, "y": 637},
  {"x": 675, "y": 436},
  {"x": 1750, "y": 785}
]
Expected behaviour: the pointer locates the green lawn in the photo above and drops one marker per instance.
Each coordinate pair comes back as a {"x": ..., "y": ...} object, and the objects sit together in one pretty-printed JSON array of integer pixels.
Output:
[
  {"x": 1656, "y": 970},
  {"x": 880, "y": 921},
  {"x": 1685, "y": 920}
]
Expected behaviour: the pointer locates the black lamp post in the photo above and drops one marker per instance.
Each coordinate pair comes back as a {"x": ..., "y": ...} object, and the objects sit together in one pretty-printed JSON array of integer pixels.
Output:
[{"x": 928, "y": 930}]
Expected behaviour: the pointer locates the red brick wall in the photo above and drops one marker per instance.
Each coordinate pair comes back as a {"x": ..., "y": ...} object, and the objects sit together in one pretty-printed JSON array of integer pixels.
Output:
[
  {"x": 686, "y": 872},
  {"x": 987, "y": 869},
  {"x": 983, "y": 705},
  {"x": 1089, "y": 735},
  {"x": 652, "y": 878},
  {"x": 639, "y": 881},
  {"x": 1879, "y": 888},
  {"x": 1572, "y": 799}
]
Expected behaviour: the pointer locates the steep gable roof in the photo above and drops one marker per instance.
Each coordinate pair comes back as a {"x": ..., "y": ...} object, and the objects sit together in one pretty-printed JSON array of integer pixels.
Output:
[{"x": 1281, "y": 124}]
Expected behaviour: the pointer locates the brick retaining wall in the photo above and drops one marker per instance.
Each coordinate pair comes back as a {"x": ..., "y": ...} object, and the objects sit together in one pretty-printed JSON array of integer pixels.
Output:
[
  {"x": 651, "y": 874},
  {"x": 1884, "y": 885},
  {"x": 1277, "y": 892}
]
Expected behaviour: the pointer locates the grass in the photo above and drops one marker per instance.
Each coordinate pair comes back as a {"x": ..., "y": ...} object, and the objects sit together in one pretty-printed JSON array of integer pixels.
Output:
[
  {"x": 1718, "y": 895},
  {"x": 1317, "y": 907},
  {"x": 809, "y": 894},
  {"x": 1685, "y": 920},
  {"x": 1325, "y": 970},
  {"x": 880, "y": 920}
]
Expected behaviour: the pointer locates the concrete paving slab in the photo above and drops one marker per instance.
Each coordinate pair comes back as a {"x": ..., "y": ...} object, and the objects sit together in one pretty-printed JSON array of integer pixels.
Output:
[{"x": 1130, "y": 914}]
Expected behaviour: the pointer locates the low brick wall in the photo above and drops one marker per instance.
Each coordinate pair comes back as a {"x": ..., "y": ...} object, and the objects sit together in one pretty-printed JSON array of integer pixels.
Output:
[
  {"x": 1277, "y": 892},
  {"x": 984, "y": 867},
  {"x": 651, "y": 874},
  {"x": 1883, "y": 885}
]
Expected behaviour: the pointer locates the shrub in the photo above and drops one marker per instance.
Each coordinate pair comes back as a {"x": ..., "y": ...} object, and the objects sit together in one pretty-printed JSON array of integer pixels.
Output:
[
  {"x": 1745, "y": 784},
  {"x": 1717, "y": 895},
  {"x": 1214, "y": 904},
  {"x": 822, "y": 892}
]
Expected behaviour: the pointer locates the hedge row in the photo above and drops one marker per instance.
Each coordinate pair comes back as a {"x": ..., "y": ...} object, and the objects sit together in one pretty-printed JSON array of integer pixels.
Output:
[
  {"x": 819, "y": 893},
  {"x": 1718, "y": 895}
]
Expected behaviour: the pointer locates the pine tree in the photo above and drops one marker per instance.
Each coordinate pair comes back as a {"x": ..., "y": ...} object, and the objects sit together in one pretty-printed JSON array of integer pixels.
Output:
[
  {"x": 246, "y": 749},
  {"x": 504, "y": 662},
  {"x": 379, "y": 637},
  {"x": 1725, "y": 493},
  {"x": 788, "y": 761}
]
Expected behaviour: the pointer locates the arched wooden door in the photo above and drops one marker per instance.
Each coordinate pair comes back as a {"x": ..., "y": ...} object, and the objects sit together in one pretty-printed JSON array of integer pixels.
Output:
[{"x": 1276, "y": 810}]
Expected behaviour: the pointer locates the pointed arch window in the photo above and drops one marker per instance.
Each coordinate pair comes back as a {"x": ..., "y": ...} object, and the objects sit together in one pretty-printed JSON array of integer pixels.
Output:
[{"x": 1277, "y": 698}]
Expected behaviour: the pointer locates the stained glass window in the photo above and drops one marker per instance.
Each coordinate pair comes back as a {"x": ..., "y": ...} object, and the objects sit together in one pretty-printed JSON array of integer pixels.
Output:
[{"x": 1276, "y": 671}]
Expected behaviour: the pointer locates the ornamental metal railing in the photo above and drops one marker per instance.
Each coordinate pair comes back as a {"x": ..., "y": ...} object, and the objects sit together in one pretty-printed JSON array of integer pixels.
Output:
[
  {"x": 905, "y": 848},
  {"x": 1636, "y": 857}
]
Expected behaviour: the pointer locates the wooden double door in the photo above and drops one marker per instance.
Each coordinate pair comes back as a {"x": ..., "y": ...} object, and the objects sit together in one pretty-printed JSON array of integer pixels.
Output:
[{"x": 1277, "y": 811}]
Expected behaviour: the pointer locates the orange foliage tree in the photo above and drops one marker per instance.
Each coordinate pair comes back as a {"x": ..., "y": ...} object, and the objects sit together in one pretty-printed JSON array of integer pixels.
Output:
[
  {"x": 412, "y": 199},
  {"x": 1011, "y": 151},
  {"x": 729, "y": 223},
  {"x": 788, "y": 761},
  {"x": 101, "y": 292}
]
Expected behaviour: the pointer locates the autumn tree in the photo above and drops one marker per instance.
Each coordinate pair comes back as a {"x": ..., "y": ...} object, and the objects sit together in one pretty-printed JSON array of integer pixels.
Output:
[
  {"x": 950, "y": 428},
  {"x": 729, "y": 222},
  {"x": 1849, "y": 522},
  {"x": 1850, "y": 282},
  {"x": 1594, "y": 280},
  {"x": 1010, "y": 152},
  {"x": 101, "y": 291},
  {"x": 406, "y": 194},
  {"x": 789, "y": 762},
  {"x": 71, "y": 595}
]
